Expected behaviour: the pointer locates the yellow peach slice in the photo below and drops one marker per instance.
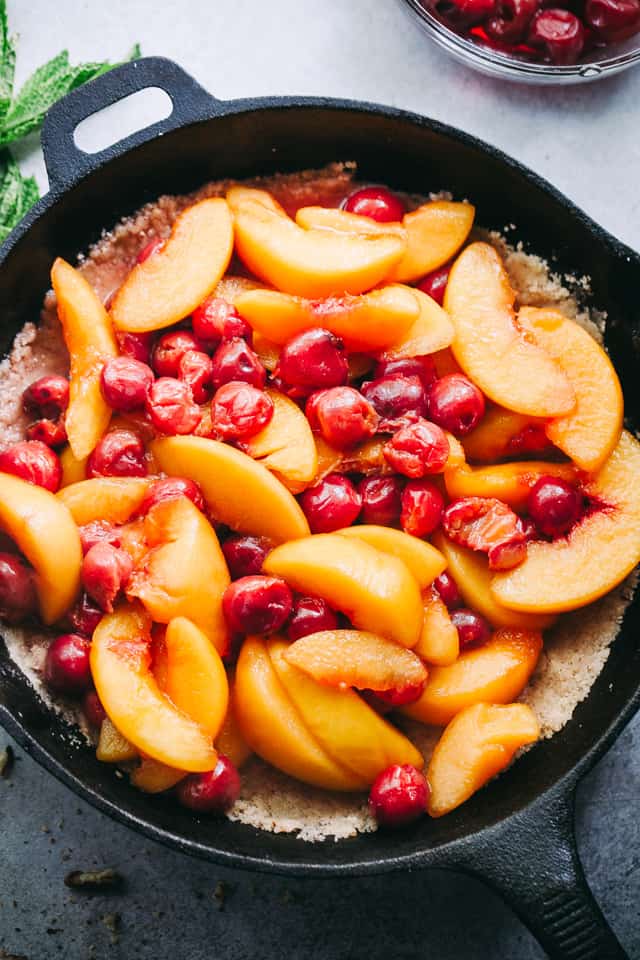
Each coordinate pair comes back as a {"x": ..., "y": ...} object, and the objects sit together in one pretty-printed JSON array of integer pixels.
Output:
[
  {"x": 504, "y": 361},
  {"x": 329, "y": 459},
  {"x": 491, "y": 440},
  {"x": 430, "y": 332},
  {"x": 274, "y": 729},
  {"x": 595, "y": 556},
  {"x": 590, "y": 433},
  {"x": 374, "y": 589},
  {"x": 231, "y": 287},
  {"x": 238, "y": 195},
  {"x": 341, "y": 221},
  {"x": 366, "y": 323},
  {"x": 471, "y": 572},
  {"x": 267, "y": 351},
  {"x": 196, "y": 678},
  {"x": 439, "y": 643},
  {"x": 73, "y": 470},
  {"x": 112, "y": 746},
  {"x": 104, "y": 498},
  {"x": 170, "y": 285},
  {"x": 311, "y": 263},
  {"x": 230, "y": 741},
  {"x": 494, "y": 673},
  {"x": 355, "y": 658},
  {"x": 445, "y": 363},
  {"x": 286, "y": 445},
  {"x": 153, "y": 777},
  {"x": 422, "y": 560},
  {"x": 477, "y": 745},
  {"x": 366, "y": 458},
  {"x": 456, "y": 456},
  {"x": 239, "y": 492},
  {"x": 509, "y": 482},
  {"x": 90, "y": 341},
  {"x": 435, "y": 233},
  {"x": 120, "y": 664},
  {"x": 45, "y": 532},
  {"x": 344, "y": 725}
]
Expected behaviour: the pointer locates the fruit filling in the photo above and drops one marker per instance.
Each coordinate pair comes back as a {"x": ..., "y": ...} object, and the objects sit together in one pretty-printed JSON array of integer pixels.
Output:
[{"x": 292, "y": 513}]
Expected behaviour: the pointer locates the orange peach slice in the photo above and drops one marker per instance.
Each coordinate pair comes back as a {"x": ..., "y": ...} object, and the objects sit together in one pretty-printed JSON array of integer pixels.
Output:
[
  {"x": 367, "y": 458},
  {"x": 430, "y": 332},
  {"x": 90, "y": 341},
  {"x": 184, "y": 574},
  {"x": 477, "y": 745},
  {"x": 341, "y": 221},
  {"x": 445, "y": 363},
  {"x": 286, "y": 445},
  {"x": 590, "y": 433},
  {"x": 112, "y": 746},
  {"x": 120, "y": 664},
  {"x": 104, "y": 498},
  {"x": 471, "y": 572},
  {"x": 343, "y": 724},
  {"x": 494, "y": 673},
  {"x": 170, "y": 285},
  {"x": 596, "y": 555},
  {"x": 153, "y": 777},
  {"x": 509, "y": 482},
  {"x": 237, "y": 196},
  {"x": 492, "y": 438},
  {"x": 366, "y": 323},
  {"x": 230, "y": 741},
  {"x": 274, "y": 729},
  {"x": 354, "y": 658},
  {"x": 239, "y": 492},
  {"x": 422, "y": 560},
  {"x": 329, "y": 459},
  {"x": 505, "y": 362},
  {"x": 439, "y": 643},
  {"x": 196, "y": 678},
  {"x": 267, "y": 351},
  {"x": 374, "y": 589},
  {"x": 45, "y": 532},
  {"x": 73, "y": 470}
]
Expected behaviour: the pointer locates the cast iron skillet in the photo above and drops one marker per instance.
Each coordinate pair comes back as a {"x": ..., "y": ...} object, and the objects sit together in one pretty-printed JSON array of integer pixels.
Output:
[{"x": 518, "y": 833}]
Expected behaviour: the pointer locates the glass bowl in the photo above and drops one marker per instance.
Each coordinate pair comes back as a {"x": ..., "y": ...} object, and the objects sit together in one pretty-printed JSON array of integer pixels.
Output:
[{"x": 599, "y": 63}]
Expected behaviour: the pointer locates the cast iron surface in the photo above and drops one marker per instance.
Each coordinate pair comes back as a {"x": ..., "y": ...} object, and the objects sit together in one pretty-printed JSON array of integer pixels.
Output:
[{"x": 518, "y": 834}]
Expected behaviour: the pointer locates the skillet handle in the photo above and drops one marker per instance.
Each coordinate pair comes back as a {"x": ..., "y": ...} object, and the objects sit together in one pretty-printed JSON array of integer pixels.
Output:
[
  {"x": 66, "y": 163},
  {"x": 532, "y": 861}
]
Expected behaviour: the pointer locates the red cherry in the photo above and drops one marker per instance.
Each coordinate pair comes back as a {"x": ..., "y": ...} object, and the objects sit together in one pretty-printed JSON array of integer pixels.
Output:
[
  {"x": 257, "y": 604},
  {"x": 18, "y": 597},
  {"x": 97, "y": 531},
  {"x": 170, "y": 488},
  {"x": 343, "y": 416},
  {"x": 399, "y": 795},
  {"x": 465, "y": 13},
  {"x": 153, "y": 246},
  {"x": 169, "y": 351},
  {"x": 381, "y": 500},
  {"x": 196, "y": 370},
  {"x": 105, "y": 571},
  {"x": 448, "y": 590},
  {"x": 66, "y": 666},
  {"x": 50, "y": 432},
  {"x": 456, "y": 404},
  {"x": 554, "y": 506},
  {"x": 94, "y": 712},
  {"x": 213, "y": 792},
  {"x": 239, "y": 411},
  {"x": 126, "y": 383},
  {"x": 613, "y": 20},
  {"x": 331, "y": 504},
  {"x": 473, "y": 630},
  {"x": 245, "y": 555},
  {"x": 422, "y": 506},
  {"x": 47, "y": 397},
  {"x": 136, "y": 346},
  {"x": 85, "y": 616},
  {"x": 531, "y": 439},
  {"x": 377, "y": 203},
  {"x": 120, "y": 453},
  {"x": 512, "y": 20},
  {"x": 422, "y": 367},
  {"x": 171, "y": 407},
  {"x": 313, "y": 360},
  {"x": 559, "y": 34},
  {"x": 310, "y": 615},
  {"x": 402, "y": 696},
  {"x": 235, "y": 360},
  {"x": 435, "y": 283},
  {"x": 417, "y": 449},
  {"x": 488, "y": 525},
  {"x": 216, "y": 320},
  {"x": 397, "y": 400},
  {"x": 33, "y": 461}
]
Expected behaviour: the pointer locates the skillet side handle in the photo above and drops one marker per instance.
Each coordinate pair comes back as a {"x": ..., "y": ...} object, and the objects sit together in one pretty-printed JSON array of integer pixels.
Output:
[
  {"x": 66, "y": 163},
  {"x": 532, "y": 862}
]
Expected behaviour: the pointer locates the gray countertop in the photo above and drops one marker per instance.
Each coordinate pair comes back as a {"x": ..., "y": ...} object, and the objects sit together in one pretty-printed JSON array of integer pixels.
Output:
[{"x": 585, "y": 141}]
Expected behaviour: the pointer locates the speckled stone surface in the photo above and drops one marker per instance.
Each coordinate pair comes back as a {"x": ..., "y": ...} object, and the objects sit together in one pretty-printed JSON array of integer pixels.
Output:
[{"x": 585, "y": 140}]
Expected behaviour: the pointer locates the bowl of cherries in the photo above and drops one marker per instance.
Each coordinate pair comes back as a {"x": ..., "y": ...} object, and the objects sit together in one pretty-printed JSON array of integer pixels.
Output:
[{"x": 536, "y": 41}]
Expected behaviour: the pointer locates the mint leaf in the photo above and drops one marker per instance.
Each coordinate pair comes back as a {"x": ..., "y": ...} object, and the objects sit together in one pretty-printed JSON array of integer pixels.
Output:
[
  {"x": 7, "y": 62},
  {"x": 17, "y": 194}
]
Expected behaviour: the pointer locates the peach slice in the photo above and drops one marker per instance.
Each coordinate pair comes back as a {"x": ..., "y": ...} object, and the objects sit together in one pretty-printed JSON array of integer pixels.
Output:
[
  {"x": 329, "y": 459},
  {"x": 342, "y": 722},
  {"x": 286, "y": 445},
  {"x": 239, "y": 492},
  {"x": 354, "y": 658},
  {"x": 505, "y": 362},
  {"x": 477, "y": 745},
  {"x": 184, "y": 574},
  {"x": 90, "y": 341},
  {"x": 341, "y": 221},
  {"x": 153, "y": 777},
  {"x": 120, "y": 664},
  {"x": 422, "y": 560},
  {"x": 590, "y": 433},
  {"x": 494, "y": 673},
  {"x": 230, "y": 287},
  {"x": 73, "y": 470},
  {"x": 374, "y": 589},
  {"x": 509, "y": 482},
  {"x": 45, "y": 532},
  {"x": 230, "y": 741},
  {"x": 367, "y": 458},
  {"x": 430, "y": 332},
  {"x": 170, "y": 285},
  {"x": 238, "y": 195},
  {"x": 268, "y": 352},
  {"x": 104, "y": 498},
  {"x": 439, "y": 643},
  {"x": 196, "y": 678},
  {"x": 274, "y": 729},
  {"x": 445, "y": 363},
  {"x": 112, "y": 746},
  {"x": 595, "y": 556},
  {"x": 494, "y": 436},
  {"x": 365, "y": 323},
  {"x": 471, "y": 572}
]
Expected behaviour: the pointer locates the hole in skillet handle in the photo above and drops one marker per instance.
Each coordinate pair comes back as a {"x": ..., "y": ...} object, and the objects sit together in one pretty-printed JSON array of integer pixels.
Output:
[{"x": 66, "y": 163}]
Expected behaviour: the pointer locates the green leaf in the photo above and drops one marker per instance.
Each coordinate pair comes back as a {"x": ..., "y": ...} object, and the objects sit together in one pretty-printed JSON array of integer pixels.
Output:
[
  {"x": 7, "y": 62},
  {"x": 17, "y": 194}
]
